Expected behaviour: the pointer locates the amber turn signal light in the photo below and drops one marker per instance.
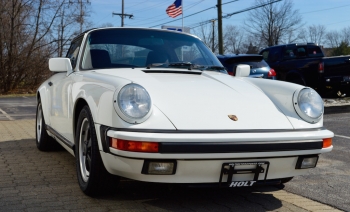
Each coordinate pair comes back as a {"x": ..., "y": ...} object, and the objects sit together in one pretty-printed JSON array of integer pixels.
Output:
[
  {"x": 134, "y": 146},
  {"x": 327, "y": 142}
]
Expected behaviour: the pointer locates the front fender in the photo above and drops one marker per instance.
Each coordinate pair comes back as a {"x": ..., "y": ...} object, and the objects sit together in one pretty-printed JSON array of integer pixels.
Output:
[
  {"x": 43, "y": 95},
  {"x": 281, "y": 94}
]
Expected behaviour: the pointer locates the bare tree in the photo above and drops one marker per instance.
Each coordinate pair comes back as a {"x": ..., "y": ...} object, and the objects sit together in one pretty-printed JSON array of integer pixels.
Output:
[
  {"x": 208, "y": 35},
  {"x": 28, "y": 38},
  {"x": 106, "y": 25},
  {"x": 334, "y": 38},
  {"x": 234, "y": 39},
  {"x": 313, "y": 33},
  {"x": 67, "y": 21},
  {"x": 346, "y": 34},
  {"x": 273, "y": 22}
]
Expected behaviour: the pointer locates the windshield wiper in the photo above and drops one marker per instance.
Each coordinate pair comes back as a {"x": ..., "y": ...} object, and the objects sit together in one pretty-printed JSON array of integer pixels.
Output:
[
  {"x": 156, "y": 65},
  {"x": 187, "y": 65},
  {"x": 215, "y": 68},
  {"x": 191, "y": 66}
]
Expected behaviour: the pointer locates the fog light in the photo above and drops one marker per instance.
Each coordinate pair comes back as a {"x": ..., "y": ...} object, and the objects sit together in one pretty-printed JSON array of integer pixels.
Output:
[
  {"x": 167, "y": 167},
  {"x": 306, "y": 162}
]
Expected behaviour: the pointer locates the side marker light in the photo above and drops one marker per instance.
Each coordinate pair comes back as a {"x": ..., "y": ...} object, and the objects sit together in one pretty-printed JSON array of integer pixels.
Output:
[{"x": 327, "y": 142}]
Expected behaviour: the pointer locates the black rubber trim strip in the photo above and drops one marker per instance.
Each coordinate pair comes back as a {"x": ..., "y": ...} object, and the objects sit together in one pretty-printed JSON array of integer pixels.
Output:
[
  {"x": 220, "y": 147},
  {"x": 171, "y": 72},
  {"x": 59, "y": 136},
  {"x": 104, "y": 140},
  {"x": 217, "y": 185},
  {"x": 203, "y": 159},
  {"x": 216, "y": 131}
]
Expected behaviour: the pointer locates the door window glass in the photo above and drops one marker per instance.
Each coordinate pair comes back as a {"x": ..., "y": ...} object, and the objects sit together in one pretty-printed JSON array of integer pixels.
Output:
[{"x": 73, "y": 51}]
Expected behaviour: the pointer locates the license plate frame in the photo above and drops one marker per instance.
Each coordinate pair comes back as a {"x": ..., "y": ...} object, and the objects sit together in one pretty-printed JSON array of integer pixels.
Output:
[{"x": 229, "y": 169}]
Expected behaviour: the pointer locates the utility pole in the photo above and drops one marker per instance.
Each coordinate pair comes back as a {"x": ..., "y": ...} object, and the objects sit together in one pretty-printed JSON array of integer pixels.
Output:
[
  {"x": 122, "y": 15},
  {"x": 221, "y": 45},
  {"x": 81, "y": 16},
  {"x": 213, "y": 37}
]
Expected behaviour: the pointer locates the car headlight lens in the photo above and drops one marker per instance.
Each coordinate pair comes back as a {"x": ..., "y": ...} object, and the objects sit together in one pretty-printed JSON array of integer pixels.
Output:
[
  {"x": 309, "y": 105},
  {"x": 134, "y": 102}
]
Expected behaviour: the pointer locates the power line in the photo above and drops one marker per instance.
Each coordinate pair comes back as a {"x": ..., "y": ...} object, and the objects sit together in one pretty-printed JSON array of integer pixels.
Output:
[
  {"x": 187, "y": 8},
  {"x": 234, "y": 13},
  {"x": 193, "y": 14},
  {"x": 151, "y": 7},
  {"x": 326, "y": 9}
]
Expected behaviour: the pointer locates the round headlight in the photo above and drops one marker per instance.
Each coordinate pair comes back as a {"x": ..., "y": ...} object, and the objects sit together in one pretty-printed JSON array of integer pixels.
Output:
[
  {"x": 308, "y": 104},
  {"x": 133, "y": 103}
]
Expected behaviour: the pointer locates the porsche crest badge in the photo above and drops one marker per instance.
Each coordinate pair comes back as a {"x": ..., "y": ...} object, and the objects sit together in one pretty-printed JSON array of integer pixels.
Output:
[{"x": 233, "y": 117}]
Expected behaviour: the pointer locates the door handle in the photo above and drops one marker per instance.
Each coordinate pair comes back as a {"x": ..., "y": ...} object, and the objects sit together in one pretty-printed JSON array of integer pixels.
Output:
[{"x": 50, "y": 83}]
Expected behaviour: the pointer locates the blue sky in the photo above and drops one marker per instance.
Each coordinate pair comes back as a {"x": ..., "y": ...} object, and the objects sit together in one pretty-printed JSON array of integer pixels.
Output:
[{"x": 334, "y": 14}]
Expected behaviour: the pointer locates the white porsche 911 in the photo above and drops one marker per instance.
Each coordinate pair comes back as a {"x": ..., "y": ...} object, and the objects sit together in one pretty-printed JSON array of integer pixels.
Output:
[{"x": 157, "y": 106}]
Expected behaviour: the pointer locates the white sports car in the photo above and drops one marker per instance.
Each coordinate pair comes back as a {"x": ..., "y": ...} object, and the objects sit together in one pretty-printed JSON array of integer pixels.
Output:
[{"x": 157, "y": 106}]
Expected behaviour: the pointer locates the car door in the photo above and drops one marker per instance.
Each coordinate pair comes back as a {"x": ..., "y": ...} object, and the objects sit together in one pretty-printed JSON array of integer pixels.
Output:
[{"x": 61, "y": 98}]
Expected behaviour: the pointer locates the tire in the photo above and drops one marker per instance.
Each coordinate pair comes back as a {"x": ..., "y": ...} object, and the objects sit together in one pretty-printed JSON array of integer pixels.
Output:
[
  {"x": 43, "y": 141},
  {"x": 286, "y": 180},
  {"x": 93, "y": 178}
]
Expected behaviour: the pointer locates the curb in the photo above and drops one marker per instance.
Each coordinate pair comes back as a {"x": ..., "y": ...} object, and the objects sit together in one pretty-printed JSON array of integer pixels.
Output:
[
  {"x": 337, "y": 109},
  {"x": 338, "y": 105}
]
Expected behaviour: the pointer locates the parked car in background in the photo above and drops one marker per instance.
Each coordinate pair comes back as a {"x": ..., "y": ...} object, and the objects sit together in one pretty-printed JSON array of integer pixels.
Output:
[
  {"x": 305, "y": 64},
  {"x": 258, "y": 67},
  {"x": 130, "y": 102}
]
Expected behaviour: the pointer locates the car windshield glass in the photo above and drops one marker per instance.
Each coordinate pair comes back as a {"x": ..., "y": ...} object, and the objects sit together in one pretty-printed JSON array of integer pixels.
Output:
[{"x": 121, "y": 48}]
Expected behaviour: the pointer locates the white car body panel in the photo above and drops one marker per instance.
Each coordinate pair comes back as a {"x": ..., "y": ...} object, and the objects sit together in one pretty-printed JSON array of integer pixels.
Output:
[
  {"x": 199, "y": 171},
  {"x": 185, "y": 108},
  {"x": 180, "y": 95}
]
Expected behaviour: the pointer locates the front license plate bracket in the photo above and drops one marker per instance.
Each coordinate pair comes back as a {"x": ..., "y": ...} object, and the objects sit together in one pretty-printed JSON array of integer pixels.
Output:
[{"x": 231, "y": 168}]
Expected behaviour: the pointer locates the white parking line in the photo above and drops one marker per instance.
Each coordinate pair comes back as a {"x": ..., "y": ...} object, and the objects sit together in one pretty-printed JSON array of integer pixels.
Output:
[
  {"x": 342, "y": 136},
  {"x": 7, "y": 115}
]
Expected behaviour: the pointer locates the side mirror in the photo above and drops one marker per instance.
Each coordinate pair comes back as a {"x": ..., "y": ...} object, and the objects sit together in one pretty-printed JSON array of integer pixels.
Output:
[
  {"x": 242, "y": 70},
  {"x": 60, "y": 64}
]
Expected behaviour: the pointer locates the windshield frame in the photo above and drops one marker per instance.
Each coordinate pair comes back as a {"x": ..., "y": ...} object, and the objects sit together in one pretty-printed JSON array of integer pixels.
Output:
[{"x": 204, "y": 51}]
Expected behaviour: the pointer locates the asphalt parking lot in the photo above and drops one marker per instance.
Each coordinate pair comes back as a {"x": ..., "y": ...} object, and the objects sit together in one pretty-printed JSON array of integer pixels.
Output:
[
  {"x": 16, "y": 108},
  {"x": 31, "y": 180}
]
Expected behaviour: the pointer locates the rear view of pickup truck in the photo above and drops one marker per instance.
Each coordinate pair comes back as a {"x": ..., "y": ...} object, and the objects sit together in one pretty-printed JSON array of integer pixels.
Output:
[{"x": 305, "y": 64}]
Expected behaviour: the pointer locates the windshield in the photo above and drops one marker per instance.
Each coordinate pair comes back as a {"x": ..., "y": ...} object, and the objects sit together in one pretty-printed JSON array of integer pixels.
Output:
[{"x": 122, "y": 48}]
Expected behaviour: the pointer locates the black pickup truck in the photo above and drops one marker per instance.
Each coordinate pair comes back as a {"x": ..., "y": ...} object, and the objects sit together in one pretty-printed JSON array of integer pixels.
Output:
[{"x": 306, "y": 64}]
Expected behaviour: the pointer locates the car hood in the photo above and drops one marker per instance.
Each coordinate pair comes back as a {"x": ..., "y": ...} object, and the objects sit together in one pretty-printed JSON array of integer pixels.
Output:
[{"x": 204, "y": 100}]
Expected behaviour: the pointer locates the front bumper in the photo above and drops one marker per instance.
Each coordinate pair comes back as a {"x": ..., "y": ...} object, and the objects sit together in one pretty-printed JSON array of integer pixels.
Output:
[{"x": 196, "y": 166}]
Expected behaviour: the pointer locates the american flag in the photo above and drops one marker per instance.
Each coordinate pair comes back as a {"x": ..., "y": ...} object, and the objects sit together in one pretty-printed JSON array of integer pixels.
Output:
[{"x": 175, "y": 9}]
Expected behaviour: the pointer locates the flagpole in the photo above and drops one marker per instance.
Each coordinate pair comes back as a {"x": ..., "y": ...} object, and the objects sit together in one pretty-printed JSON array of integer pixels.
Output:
[
  {"x": 182, "y": 5},
  {"x": 182, "y": 51}
]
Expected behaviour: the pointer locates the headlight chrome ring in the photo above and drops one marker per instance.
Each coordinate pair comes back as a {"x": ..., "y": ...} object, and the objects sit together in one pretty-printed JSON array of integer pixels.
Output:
[
  {"x": 308, "y": 104},
  {"x": 132, "y": 103}
]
